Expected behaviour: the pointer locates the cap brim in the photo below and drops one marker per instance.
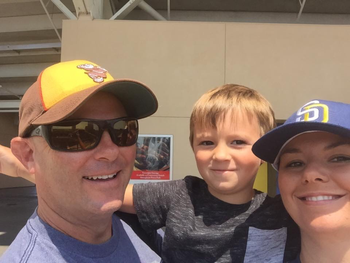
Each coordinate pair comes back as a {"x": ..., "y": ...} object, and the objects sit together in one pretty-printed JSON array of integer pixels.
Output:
[
  {"x": 269, "y": 145},
  {"x": 137, "y": 99}
]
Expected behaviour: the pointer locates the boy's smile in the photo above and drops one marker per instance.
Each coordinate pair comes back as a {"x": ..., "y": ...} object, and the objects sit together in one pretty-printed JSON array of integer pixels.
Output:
[{"x": 224, "y": 157}]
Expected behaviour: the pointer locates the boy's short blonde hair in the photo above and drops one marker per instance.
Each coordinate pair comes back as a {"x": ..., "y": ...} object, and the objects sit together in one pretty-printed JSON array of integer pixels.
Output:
[{"x": 212, "y": 107}]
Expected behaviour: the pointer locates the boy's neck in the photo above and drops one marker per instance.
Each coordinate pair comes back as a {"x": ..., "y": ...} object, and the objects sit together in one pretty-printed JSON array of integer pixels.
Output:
[{"x": 238, "y": 198}]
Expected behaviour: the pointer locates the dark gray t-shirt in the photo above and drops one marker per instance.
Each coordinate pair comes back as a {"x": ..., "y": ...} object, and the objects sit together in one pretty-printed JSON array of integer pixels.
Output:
[{"x": 202, "y": 228}]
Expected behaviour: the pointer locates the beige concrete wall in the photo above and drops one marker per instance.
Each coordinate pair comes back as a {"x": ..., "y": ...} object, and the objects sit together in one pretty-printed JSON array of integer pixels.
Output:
[
  {"x": 289, "y": 64},
  {"x": 179, "y": 61}
]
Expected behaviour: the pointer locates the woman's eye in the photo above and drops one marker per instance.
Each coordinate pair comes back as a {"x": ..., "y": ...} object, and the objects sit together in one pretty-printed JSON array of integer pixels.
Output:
[
  {"x": 238, "y": 142},
  {"x": 294, "y": 164},
  {"x": 339, "y": 159},
  {"x": 206, "y": 143}
]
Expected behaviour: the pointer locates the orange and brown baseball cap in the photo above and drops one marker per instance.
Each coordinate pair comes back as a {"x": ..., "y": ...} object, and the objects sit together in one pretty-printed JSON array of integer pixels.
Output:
[{"x": 63, "y": 87}]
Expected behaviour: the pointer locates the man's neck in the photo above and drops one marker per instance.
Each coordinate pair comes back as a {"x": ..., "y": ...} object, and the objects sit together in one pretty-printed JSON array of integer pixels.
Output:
[
  {"x": 324, "y": 248},
  {"x": 92, "y": 229}
]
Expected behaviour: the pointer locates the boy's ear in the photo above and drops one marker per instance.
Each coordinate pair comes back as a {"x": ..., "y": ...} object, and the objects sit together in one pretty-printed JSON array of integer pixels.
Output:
[
  {"x": 22, "y": 148},
  {"x": 262, "y": 162}
]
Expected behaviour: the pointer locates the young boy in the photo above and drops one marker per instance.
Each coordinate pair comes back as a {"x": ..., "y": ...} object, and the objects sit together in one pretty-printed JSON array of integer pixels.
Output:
[{"x": 219, "y": 218}]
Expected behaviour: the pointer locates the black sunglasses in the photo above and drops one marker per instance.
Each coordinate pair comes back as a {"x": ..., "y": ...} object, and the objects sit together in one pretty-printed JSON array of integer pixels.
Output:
[{"x": 85, "y": 134}]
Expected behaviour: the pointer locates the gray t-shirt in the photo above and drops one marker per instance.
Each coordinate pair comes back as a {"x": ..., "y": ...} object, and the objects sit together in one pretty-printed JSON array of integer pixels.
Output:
[
  {"x": 38, "y": 242},
  {"x": 202, "y": 228}
]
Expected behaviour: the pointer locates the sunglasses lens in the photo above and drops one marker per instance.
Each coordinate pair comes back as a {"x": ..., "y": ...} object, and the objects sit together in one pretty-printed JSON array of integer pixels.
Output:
[
  {"x": 125, "y": 132},
  {"x": 74, "y": 136},
  {"x": 81, "y": 135}
]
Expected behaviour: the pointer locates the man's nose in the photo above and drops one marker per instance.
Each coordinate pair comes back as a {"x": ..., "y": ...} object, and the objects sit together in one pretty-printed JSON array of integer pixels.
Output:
[{"x": 107, "y": 149}]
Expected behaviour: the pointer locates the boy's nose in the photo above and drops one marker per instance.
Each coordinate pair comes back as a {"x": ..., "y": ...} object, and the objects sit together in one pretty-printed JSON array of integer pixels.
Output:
[{"x": 221, "y": 153}]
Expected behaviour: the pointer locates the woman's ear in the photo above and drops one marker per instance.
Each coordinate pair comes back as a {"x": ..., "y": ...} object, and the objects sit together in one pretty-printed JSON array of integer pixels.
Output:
[{"x": 22, "y": 148}]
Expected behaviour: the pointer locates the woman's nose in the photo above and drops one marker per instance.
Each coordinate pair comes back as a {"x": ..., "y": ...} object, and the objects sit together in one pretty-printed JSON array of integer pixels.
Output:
[{"x": 315, "y": 173}]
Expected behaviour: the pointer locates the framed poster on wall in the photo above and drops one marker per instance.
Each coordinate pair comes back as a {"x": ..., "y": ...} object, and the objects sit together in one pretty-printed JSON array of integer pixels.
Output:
[{"x": 153, "y": 162}]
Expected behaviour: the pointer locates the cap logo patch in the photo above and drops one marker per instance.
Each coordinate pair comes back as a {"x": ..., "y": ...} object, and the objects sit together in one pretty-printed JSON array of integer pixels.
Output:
[
  {"x": 97, "y": 74},
  {"x": 313, "y": 111}
]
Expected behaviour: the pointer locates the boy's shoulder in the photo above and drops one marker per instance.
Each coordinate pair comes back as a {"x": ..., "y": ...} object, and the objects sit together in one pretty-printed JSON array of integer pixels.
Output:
[
  {"x": 268, "y": 201},
  {"x": 191, "y": 184},
  {"x": 194, "y": 182},
  {"x": 196, "y": 186},
  {"x": 270, "y": 211}
]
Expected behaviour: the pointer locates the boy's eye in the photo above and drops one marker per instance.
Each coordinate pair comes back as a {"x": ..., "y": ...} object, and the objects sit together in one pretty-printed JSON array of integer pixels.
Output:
[
  {"x": 238, "y": 142},
  {"x": 206, "y": 143},
  {"x": 339, "y": 159}
]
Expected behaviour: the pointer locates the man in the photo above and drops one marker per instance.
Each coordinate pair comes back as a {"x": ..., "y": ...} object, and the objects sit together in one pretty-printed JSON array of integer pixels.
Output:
[{"x": 77, "y": 133}]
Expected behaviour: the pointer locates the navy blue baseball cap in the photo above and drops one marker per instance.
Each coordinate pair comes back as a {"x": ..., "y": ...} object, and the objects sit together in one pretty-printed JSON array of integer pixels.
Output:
[{"x": 316, "y": 115}]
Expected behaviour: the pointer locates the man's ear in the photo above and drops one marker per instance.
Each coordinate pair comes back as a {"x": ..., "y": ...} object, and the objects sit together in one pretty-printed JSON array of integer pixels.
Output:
[
  {"x": 22, "y": 148},
  {"x": 262, "y": 162}
]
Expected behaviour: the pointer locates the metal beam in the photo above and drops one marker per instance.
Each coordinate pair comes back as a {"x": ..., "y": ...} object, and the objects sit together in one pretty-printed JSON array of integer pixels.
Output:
[
  {"x": 41, "y": 52},
  {"x": 30, "y": 46},
  {"x": 80, "y": 7},
  {"x": 29, "y": 23},
  {"x": 108, "y": 9},
  {"x": 14, "y": 88},
  {"x": 126, "y": 9},
  {"x": 9, "y": 105},
  {"x": 95, "y": 7},
  {"x": 22, "y": 70},
  {"x": 302, "y": 4},
  {"x": 10, "y": 92},
  {"x": 64, "y": 9},
  {"x": 51, "y": 21},
  {"x": 129, "y": 6},
  {"x": 17, "y": 1},
  {"x": 168, "y": 9},
  {"x": 146, "y": 7}
]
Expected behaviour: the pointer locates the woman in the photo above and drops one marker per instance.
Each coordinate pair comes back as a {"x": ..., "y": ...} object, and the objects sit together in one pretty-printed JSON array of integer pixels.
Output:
[{"x": 311, "y": 153}]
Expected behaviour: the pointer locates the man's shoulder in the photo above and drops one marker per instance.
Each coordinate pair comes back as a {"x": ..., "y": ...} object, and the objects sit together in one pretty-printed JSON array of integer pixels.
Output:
[
  {"x": 15, "y": 252},
  {"x": 31, "y": 246},
  {"x": 22, "y": 249},
  {"x": 131, "y": 245},
  {"x": 34, "y": 243}
]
